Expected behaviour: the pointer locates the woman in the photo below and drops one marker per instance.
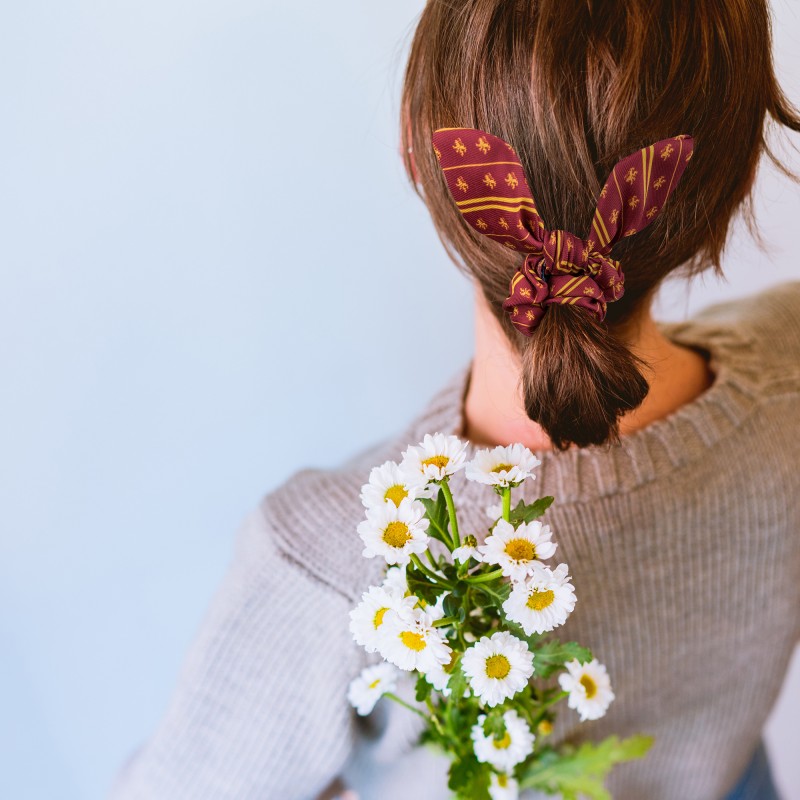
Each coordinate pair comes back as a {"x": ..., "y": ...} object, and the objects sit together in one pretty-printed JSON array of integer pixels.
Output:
[{"x": 670, "y": 449}]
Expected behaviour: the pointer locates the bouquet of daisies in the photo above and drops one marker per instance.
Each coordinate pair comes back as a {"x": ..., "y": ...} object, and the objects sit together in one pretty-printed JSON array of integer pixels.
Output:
[{"x": 471, "y": 623}]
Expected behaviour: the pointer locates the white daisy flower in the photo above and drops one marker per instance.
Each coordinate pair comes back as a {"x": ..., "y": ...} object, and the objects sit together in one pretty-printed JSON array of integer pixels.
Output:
[
  {"x": 497, "y": 667},
  {"x": 513, "y": 747},
  {"x": 502, "y": 466},
  {"x": 367, "y": 618},
  {"x": 394, "y": 532},
  {"x": 516, "y": 550},
  {"x": 438, "y": 675},
  {"x": 388, "y": 484},
  {"x": 395, "y": 581},
  {"x": 436, "y": 457},
  {"x": 467, "y": 551},
  {"x": 409, "y": 640},
  {"x": 589, "y": 688},
  {"x": 370, "y": 685},
  {"x": 543, "y": 601},
  {"x": 503, "y": 787}
]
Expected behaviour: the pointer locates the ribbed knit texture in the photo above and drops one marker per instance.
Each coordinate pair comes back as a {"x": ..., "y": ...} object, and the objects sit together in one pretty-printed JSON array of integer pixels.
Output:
[{"x": 684, "y": 546}]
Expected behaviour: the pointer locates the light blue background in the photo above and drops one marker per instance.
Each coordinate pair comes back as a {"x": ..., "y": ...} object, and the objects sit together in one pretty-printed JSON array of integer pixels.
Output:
[{"x": 214, "y": 273}]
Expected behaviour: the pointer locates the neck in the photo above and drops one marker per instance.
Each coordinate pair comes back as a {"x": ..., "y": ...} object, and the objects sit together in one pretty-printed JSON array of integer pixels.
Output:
[{"x": 494, "y": 410}]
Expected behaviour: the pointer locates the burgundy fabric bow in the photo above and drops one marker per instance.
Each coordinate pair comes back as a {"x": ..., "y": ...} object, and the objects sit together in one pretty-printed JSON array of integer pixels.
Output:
[{"x": 487, "y": 182}]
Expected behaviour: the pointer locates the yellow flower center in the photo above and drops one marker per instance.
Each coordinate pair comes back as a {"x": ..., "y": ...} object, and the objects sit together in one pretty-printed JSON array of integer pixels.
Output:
[
  {"x": 497, "y": 666},
  {"x": 502, "y": 781},
  {"x": 396, "y": 494},
  {"x": 413, "y": 641},
  {"x": 504, "y": 743},
  {"x": 374, "y": 683},
  {"x": 537, "y": 601},
  {"x": 377, "y": 620},
  {"x": 436, "y": 461},
  {"x": 520, "y": 550},
  {"x": 545, "y": 727},
  {"x": 396, "y": 534},
  {"x": 589, "y": 685},
  {"x": 501, "y": 468}
]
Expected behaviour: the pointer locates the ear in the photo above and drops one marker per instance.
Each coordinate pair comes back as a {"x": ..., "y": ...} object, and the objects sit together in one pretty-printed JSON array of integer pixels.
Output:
[{"x": 638, "y": 188}]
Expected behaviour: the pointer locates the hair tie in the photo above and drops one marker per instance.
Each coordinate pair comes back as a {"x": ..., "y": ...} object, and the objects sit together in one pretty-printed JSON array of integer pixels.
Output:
[{"x": 487, "y": 182}]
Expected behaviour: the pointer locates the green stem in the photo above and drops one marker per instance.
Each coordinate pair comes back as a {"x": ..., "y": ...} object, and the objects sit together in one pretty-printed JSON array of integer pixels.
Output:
[
  {"x": 451, "y": 512},
  {"x": 431, "y": 575},
  {"x": 445, "y": 539},
  {"x": 553, "y": 700},
  {"x": 435, "y": 718},
  {"x": 487, "y": 576},
  {"x": 440, "y": 623},
  {"x": 507, "y": 503},
  {"x": 431, "y": 559},
  {"x": 396, "y": 699}
]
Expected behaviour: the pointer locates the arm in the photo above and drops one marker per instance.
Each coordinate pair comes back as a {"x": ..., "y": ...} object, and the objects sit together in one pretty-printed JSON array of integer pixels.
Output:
[{"x": 260, "y": 709}]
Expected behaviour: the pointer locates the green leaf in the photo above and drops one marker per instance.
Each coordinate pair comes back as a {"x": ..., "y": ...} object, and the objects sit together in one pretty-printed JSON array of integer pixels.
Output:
[
  {"x": 457, "y": 684},
  {"x": 451, "y": 606},
  {"x": 582, "y": 772},
  {"x": 527, "y": 512},
  {"x": 552, "y": 655},
  {"x": 469, "y": 778},
  {"x": 496, "y": 591},
  {"x": 436, "y": 511},
  {"x": 421, "y": 586},
  {"x": 423, "y": 689}
]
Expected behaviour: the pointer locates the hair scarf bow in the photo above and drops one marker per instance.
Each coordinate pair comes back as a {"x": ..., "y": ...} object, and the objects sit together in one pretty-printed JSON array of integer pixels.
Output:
[{"x": 487, "y": 182}]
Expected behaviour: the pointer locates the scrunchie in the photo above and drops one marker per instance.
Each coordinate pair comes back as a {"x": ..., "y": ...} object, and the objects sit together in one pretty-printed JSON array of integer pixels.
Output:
[{"x": 487, "y": 182}]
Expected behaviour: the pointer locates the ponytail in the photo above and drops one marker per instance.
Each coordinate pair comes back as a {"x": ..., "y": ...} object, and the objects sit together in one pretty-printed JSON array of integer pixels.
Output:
[{"x": 578, "y": 378}]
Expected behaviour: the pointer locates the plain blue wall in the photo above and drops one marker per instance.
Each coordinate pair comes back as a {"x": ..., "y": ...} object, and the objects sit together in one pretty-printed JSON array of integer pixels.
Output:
[{"x": 214, "y": 273}]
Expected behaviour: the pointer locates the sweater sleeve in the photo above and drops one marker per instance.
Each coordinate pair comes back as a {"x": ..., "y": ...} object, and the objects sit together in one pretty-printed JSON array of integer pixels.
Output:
[{"x": 260, "y": 709}]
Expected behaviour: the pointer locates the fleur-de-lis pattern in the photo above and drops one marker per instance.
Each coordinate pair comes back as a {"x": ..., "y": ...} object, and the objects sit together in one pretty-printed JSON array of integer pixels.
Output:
[{"x": 559, "y": 267}]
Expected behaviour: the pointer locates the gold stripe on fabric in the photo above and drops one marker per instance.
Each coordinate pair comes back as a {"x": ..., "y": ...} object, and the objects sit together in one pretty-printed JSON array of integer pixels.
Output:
[
  {"x": 493, "y": 197},
  {"x": 508, "y": 236},
  {"x": 570, "y": 285},
  {"x": 602, "y": 231},
  {"x": 515, "y": 280},
  {"x": 647, "y": 168},
  {"x": 644, "y": 175},
  {"x": 482, "y": 164},
  {"x": 501, "y": 208},
  {"x": 621, "y": 202},
  {"x": 597, "y": 230}
]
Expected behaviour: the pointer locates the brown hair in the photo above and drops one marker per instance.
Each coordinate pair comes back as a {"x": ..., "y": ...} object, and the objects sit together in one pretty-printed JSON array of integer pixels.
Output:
[{"x": 573, "y": 86}]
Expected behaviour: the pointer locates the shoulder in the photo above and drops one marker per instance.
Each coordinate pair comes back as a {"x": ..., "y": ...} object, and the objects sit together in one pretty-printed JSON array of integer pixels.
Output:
[
  {"x": 311, "y": 519},
  {"x": 755, "y": 339},
  {"x": 772, "y": 313}
]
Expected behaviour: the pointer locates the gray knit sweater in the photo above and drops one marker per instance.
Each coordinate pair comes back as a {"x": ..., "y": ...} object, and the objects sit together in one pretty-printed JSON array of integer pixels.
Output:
[{"x": 683, "y": 543}]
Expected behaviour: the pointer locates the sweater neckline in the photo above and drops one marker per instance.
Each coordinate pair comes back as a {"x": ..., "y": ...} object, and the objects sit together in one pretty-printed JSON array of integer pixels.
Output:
[{"x": 684, "y": 435}]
